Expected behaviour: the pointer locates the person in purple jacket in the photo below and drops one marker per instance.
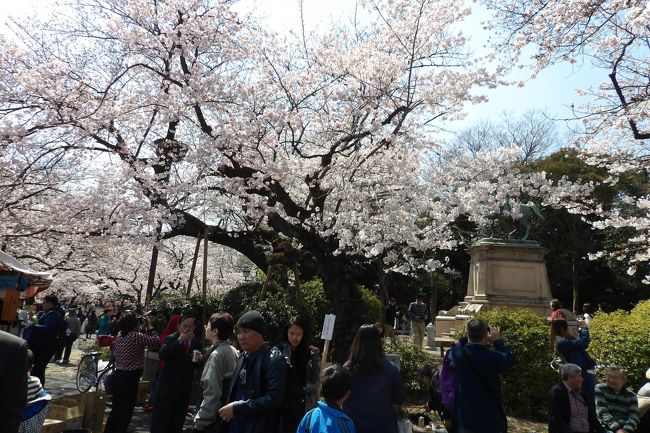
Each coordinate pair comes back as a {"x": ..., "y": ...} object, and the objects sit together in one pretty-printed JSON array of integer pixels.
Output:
[{"x": 447, "y": 386}]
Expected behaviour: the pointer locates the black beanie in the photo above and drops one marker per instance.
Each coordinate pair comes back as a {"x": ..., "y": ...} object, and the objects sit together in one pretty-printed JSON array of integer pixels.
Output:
[{"x": 251, "y": 320}]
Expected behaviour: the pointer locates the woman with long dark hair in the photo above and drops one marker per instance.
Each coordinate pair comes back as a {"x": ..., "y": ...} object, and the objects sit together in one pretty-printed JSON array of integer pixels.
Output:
[
  {"x": 302, "y": 374},
  {"x": 128, "y": 353},
  {"x": 574, "y": 350},
  {"x": 376, "y": 384}
]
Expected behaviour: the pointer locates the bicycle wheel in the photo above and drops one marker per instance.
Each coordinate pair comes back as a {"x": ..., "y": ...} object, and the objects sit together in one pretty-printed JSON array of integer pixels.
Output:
[
  {"x": 86, "y": 373},
  {"x": 101, "y": 387}
]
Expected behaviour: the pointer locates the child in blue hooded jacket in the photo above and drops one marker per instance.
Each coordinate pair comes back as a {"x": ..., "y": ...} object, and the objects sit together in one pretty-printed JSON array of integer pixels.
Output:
[{"x": 328, "y": 417}]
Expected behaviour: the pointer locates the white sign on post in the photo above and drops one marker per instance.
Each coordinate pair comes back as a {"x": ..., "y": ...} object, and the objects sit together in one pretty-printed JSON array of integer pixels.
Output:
[{"x": 328, "y": 327}]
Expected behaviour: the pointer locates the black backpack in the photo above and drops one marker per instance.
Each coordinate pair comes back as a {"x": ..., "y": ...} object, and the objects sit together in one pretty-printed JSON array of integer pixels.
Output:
[{"x": 435, "y": 397}]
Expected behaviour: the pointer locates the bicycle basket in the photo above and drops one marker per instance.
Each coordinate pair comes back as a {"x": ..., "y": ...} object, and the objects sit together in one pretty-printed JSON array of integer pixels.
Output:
[{"x": 105, "y": 340}]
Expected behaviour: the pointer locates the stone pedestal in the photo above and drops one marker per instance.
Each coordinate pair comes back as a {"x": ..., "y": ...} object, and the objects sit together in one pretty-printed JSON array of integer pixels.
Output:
[
  {"x": 510, "y": 275},
  {"x": 503, "y": 274}
]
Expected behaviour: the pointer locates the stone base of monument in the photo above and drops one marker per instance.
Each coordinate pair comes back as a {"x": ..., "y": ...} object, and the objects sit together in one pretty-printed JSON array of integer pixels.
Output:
[{"x": 504, "y": 274}]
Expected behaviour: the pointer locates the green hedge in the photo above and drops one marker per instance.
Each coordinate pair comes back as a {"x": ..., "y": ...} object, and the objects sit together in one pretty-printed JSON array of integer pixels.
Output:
[
  {"x": 623, "y": 339},
  {"x": 275, "y": 307},
  {"x": 525, "y": 387},
  {"x": 315, "y": 306},
  {"x": 412, "y": 357},
  {"x": 167, "y": 302},
  {"x": 372, "y": 311}
]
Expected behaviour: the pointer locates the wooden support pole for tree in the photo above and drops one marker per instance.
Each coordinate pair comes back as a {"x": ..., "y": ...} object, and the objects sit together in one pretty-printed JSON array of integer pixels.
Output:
[
  {"x": 296, "y": 277},
  {"x": 266, "y": 282},
  {"x": 205, "y": 266},
  {"x": 196, "y": 255},
  {"x": 152, "y": 267}
]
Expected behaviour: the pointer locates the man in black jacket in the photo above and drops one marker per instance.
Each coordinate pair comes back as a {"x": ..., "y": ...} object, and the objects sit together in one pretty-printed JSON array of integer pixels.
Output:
[
  {"x": 44, "y": 336},
  {"x": 175, "y": 378},
  {"x": 13, "y": 377},
  {"x": 390, "y": 314},
  {"x": 569, "y": 411},
  {"x": 256, "y": 392}
]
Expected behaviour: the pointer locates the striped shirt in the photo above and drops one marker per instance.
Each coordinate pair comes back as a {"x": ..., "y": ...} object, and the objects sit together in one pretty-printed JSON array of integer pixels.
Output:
[
  {"x": 34, "y": 388},
  {"x": 616, "y": 410},
  {"x": 129, "y": 351}
]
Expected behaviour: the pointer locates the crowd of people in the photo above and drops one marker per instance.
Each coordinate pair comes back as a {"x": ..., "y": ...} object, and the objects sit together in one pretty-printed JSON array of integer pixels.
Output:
[
  {"x": 466, "y": 390},
  {"x": 264, "y": 387}
]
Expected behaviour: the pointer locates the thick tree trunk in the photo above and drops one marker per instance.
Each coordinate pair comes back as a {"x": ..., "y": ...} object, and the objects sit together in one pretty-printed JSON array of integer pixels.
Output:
[
  {"x": 152, "y": 275},
  {"x": 340, "y": 280}
]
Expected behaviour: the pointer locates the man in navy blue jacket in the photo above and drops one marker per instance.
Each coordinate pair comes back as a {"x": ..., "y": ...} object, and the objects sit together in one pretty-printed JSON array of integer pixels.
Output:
[
  {"x": 43, "y": 338},
  {"x": 477, "y": 387}
]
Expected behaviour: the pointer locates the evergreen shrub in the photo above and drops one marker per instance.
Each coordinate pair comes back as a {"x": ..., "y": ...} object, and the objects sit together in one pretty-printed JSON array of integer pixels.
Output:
[
  {"x": 412, "y": 357},
  {"x": 525, "y": 387},
  {"x": 623, "y": 339},
  {"x": 315, "y": 306},
  {"x": 275, "y": 307},
  {"x": 168, "y": 302},
  {"x": 372, "y": 308}
]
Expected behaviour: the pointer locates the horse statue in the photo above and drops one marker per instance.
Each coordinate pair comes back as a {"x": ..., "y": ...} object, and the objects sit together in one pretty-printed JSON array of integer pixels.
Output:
[{"x": 526, "y": 210}]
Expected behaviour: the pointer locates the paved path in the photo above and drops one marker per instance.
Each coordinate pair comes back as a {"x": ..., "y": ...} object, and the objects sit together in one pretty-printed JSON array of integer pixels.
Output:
[{"x": 61, "y": 380}]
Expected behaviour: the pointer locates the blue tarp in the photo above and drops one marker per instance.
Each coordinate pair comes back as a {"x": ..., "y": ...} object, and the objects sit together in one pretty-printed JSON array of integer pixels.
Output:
[
  {"x": 14, "y": 274},
  {"x": 8, "y": 281}
]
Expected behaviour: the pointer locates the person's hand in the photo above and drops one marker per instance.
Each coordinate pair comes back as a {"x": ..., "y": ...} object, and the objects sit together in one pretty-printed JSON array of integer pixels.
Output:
[
  {"x": 582, "y": 323},
  {"x": 226, "y": 412},
  {"x": 621, "y": 431},
  {"x": 313, "y": 349},
  {"x": 494, "y": 334},
  {"x": 185, "y": 337}
]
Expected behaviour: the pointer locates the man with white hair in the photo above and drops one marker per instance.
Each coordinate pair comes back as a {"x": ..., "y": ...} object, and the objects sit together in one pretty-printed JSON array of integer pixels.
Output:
[
  {"x": 569, "y": 411},
  {"x": 616, "y": 407}
]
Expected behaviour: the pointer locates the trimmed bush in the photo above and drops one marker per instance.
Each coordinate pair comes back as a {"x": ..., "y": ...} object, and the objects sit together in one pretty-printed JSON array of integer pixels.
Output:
[
  {"x": 315, "y": 306},
  {"x": 275, "y": 307},
  {"x": 168, "y": 302},
  {"x": 623, "y": 339},
  {"x": 524, "y": 388},
  {"x": 412, "y": 357},
  {"x": 372, "y": 310}
]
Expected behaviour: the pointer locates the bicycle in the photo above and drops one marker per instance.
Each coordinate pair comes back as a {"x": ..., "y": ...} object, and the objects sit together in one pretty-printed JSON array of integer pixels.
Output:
[{"x": 92, "y": 372}]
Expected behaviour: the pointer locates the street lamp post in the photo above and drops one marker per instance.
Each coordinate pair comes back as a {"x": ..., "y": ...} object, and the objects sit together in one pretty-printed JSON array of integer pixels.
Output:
[{"x": 246, "y": 272}]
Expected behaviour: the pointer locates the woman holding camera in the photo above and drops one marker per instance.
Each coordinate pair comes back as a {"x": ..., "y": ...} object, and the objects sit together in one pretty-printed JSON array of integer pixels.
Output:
[{"x": 574, "y": 350}]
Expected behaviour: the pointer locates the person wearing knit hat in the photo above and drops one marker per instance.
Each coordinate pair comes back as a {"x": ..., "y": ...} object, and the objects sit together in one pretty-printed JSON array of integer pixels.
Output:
[
  {"x": 257, "y": 389},
  {"x": 252, "y": 320}
]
